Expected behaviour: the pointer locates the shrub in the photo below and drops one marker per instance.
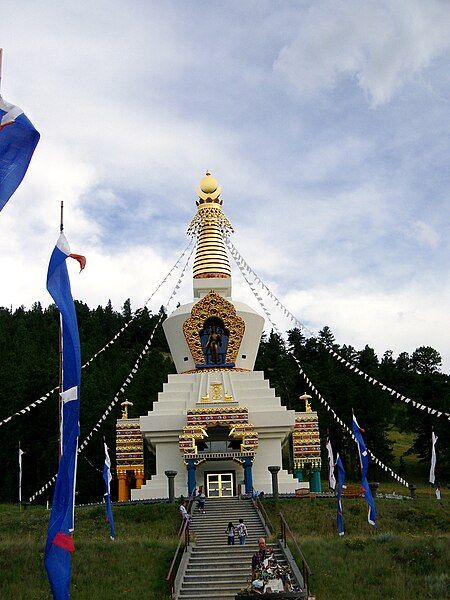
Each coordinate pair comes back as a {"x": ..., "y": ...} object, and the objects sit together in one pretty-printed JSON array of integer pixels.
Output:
[{"x": 355, "y": 543}]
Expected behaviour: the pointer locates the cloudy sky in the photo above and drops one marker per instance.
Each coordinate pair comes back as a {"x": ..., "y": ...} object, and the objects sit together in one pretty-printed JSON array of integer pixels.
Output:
[{"x": 326, "y": 123}]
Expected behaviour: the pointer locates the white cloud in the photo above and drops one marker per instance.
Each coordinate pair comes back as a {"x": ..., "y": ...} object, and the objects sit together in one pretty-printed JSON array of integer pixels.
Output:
[
  {"x": 359, "y": 314},
  {"x": 424, "y": 233},
  {"x": 134, "y": 106},
  {"x": 382, "y": 44}
]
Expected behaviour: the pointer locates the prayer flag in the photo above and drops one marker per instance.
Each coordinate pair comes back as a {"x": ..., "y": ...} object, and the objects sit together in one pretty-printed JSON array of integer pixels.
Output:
[
  {"x": 331, "y": 477},
  {"x": 59, "y": 544},
  {"x": 340, "y": 486},
  {"x": 434, "y": 439},
  {"x": 20, "y": 473},
  {"x": 364, "y": 461},
  {"x": 107, "y": 479},
  {"x": 18, "y": 139}
]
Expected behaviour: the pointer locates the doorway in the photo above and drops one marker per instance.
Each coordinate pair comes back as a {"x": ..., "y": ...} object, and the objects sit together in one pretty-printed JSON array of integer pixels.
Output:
[{"x": 219, "y": 485}]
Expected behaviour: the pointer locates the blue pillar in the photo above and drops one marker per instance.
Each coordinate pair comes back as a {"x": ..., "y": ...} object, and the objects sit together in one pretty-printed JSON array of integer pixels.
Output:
[
  {"x": 248, "y": 475},
  {"x": 299, "y": 474},
  {"x": 315, "y": 485},
  {"x": 191, "y": 476}
]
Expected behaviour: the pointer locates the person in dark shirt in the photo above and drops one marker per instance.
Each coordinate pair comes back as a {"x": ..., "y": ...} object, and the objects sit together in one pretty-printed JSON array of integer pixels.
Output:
[{"x": 259, "y": 556}]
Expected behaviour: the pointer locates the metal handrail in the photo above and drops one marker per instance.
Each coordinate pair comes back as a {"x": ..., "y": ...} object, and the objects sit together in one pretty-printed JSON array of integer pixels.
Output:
[
  {"x": 266, "y": 520},
  {"x": 184, "y": 541},
  {"x": 285, "y": 530}
]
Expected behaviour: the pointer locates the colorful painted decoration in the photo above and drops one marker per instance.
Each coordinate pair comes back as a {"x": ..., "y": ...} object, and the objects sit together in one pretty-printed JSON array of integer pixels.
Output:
[{"x": 306, "y": 441}]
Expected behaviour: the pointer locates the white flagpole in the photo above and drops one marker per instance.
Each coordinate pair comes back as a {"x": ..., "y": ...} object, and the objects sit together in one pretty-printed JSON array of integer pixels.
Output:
[
  {"x": 20, "y": 475},
  {"x": 434, "y": 439},
  {"x": 60, "y": 402}
]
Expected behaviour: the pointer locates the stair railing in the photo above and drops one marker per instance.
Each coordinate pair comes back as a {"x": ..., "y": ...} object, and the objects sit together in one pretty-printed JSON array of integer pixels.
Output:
[
  {"x": 184, "y": 540},
  {"x": 286, "y": 533},
  {"x": 263, "y": 514}
]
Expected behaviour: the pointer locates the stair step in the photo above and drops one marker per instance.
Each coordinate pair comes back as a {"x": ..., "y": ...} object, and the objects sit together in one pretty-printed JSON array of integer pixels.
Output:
[
  {"x": 219, "y": 586},
  {"x": 218, "y": 541},
  {"x": 255, "y": 533},
  {"x": 193, "y": 570},
  {"x": 216, "y": 575},
  {"x": 236, "y": 556},
  {"x": 216, "y": 570},
  {"x": 190, "y": 596},
  {"x": 238, "y": 550},
  {"x": 221, "y": 519}
]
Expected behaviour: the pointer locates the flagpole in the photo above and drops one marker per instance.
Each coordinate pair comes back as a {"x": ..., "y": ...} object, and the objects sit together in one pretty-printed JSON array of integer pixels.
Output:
[
  {"x": 1, "y": 68},
  {"x": 61, "y": 229},
  {"x": 430, "y": 487},
  {"x": 61, "y": 220},
  {"x": 20, "y": 478}
]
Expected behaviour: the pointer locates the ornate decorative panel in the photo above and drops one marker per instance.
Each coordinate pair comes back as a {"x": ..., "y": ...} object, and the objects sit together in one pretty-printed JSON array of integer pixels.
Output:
[
  {"x": 306, "y": 440},
  {"x": 213, "y": 305}
]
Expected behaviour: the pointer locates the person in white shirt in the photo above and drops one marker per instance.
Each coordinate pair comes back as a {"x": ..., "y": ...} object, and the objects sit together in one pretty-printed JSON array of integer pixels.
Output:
[
  {"x": 242, "y": 532},
  {"x": 183, "y": 512}
]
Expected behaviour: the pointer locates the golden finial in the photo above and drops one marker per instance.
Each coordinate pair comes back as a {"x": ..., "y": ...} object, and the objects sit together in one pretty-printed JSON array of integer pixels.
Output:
[
  {"x": 125, "y": 405},
  {"x": 209, "y": 189},
  {"x": 306, "y": 397}
]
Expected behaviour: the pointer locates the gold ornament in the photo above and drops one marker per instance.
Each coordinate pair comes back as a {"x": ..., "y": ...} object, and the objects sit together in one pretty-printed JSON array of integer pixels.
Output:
[{"x": 213, "y": 305}]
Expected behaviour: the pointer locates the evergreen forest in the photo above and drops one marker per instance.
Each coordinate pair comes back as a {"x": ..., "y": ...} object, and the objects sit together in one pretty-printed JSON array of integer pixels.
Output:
[{"x": 29, "y": 369}]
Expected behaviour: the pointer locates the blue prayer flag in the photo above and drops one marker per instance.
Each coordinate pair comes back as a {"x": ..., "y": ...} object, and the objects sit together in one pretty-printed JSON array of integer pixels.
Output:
[
  {"x": 340, "y": 485},
  {"x": 107, "y": 479},
  {"x": 18, "y": 139},
  {"x": 59, "y": 544},
  {"x": 364, "y": 460}
]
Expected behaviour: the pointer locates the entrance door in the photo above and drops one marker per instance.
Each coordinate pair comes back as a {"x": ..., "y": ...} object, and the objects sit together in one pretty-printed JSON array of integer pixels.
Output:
[{"x": 219, "y": 485}]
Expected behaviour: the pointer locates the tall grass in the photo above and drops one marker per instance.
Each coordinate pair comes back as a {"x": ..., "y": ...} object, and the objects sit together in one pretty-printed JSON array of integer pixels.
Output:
[
  {"x": 133, "y": 566},
  {"x": 406, "y": 558}
]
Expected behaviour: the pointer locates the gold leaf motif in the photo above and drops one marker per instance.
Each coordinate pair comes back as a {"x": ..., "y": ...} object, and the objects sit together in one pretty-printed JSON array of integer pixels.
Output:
[{"x": 213, "y": 304}]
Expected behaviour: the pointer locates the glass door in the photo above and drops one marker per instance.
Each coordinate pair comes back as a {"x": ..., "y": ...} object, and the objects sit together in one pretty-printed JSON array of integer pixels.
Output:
[
  {"x": 226, "y": 480},
  {"x": 219, "y": 485}
]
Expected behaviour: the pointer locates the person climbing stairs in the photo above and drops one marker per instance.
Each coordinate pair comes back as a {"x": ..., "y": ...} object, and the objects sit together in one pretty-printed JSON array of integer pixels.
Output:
[{"x": 216, "y": 570}]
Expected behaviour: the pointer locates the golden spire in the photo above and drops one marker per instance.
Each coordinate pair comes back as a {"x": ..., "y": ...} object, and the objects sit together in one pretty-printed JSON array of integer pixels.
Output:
[{"x": 210, "y": 225}]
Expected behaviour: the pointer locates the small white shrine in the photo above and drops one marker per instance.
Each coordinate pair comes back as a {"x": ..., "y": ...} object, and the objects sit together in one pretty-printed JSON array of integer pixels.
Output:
[{"x": 218, "y": 423}]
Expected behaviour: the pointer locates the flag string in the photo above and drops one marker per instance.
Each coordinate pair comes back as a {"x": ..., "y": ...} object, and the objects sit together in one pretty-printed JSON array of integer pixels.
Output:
[
  {"x": 310, "y": 384},
  {"x": 93, "y": 466},
  {"x": 128, "y": 379},
  {"x": 244, "y": 267},
  {"x": 111, "y": 342}
]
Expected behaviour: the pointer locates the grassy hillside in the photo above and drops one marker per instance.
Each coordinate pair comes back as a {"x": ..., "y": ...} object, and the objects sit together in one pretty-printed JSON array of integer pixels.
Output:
[
  {"x": 135, "y": 565},
  {"x": 413, "y": 469},
  {"x": 406, "y": 558}
]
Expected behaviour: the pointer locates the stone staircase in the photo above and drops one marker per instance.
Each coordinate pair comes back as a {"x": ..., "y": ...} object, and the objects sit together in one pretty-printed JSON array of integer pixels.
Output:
[{"x": 216, "y": 570}]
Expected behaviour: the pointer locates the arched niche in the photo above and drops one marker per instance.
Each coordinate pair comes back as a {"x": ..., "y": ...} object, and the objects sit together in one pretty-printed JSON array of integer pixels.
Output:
[
  {"x": 214, "y": 341},
  {"x": 213, "y": 305}
]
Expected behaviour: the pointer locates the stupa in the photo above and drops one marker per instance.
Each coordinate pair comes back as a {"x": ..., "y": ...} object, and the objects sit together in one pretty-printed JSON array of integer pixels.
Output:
[{"x": 217, "y": 423}]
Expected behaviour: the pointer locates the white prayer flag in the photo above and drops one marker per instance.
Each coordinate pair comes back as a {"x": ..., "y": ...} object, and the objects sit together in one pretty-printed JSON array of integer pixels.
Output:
[
  {"x": 434, "y": 439},
  {"x": 20, "y": 473},
  {"x": 331, "y": 477}
]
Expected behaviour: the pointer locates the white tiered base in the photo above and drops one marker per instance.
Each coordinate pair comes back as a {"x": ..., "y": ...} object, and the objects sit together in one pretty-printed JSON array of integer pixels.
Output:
[{"x": 162, "y": 426}]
